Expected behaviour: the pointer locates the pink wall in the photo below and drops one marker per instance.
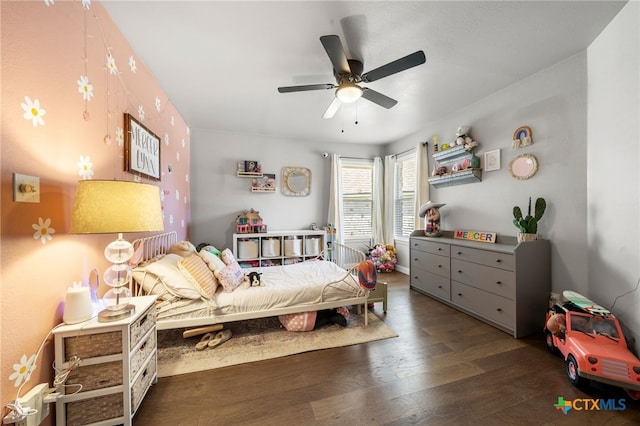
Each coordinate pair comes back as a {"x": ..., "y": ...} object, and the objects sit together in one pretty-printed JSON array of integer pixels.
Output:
[{"x": 43, "y": 57}]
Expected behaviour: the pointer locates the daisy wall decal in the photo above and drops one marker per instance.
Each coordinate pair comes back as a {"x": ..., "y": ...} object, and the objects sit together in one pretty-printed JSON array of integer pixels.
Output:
[
  {"x": 173, "y": 121},
  {"x": 158, "y": 104},
  {"x": 43, "y": 231},
  {"x": 132, "y": 65},
  {"x": 85, "y": 167},
  {"x": 49, "y": 2},
  {"x": 23, "y": 369},
  {"x": 177, "y": 195},
  {"x": 120, "y": 136},
  {"x": 32, "y": 111},
  {"x": 86, "y": 4},
  {"x": 140, "y": 113},
  {"x": 111, "y": 64},
  {"x": 183, "y": 143},
  {"x": 166, "y": 139},
  {"x": 177, "y": 156},
  {"x": 85, "y": 88}
]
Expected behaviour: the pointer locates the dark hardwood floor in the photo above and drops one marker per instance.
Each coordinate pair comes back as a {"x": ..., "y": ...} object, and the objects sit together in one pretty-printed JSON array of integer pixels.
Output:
[{"x": 445, "y": 368}]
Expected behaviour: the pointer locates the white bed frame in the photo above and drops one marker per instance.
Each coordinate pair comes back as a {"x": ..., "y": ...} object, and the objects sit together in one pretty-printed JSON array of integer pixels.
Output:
[{"x": 344, "y": 256}]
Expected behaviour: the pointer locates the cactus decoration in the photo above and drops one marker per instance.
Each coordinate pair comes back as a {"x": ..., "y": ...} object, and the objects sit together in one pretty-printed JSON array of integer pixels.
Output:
[{"x": 529, "y": 224}]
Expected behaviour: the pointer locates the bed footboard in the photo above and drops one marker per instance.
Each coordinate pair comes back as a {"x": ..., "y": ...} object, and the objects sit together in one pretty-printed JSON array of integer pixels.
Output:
[{"x": 347, "y": 257}]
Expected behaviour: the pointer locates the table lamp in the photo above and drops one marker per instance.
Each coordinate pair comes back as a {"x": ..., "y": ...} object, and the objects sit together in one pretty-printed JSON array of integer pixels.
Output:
[{"x": 110, "y": 207}]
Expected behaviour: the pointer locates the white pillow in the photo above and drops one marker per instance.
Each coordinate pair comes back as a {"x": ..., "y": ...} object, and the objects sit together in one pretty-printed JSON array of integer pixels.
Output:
[
  {"x": 164, "y": 276},
  {"x": 213, "y": 262}
]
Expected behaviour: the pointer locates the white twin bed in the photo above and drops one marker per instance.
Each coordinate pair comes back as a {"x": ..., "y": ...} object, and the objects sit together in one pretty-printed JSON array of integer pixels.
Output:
[{"x": 301, "y": 287}]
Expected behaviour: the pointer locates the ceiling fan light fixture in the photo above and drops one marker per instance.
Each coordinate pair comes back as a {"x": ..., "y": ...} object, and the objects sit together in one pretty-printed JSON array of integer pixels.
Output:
[{"x": 348, "y": 92}]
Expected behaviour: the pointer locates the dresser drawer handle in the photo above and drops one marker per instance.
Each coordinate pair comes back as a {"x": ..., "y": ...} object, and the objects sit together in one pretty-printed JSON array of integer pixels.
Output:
[
  {"x": 439, "y": 266},
  {"x": 459, "y": 271},
  {"x": 439, "y": 248},
  {"x": 460, "y": 294},
  {"x": 498, "y": 260},
  {"x": 459, "y": 253},
  {"x": 439, "y": 286},
  {"x": 499, "y": 282},
  {"x": 499, "y": 309}
]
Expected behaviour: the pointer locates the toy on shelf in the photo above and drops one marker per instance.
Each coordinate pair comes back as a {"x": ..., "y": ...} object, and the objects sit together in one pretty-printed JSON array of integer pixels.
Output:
[
  {"x": 250, "y": 222},
  {"x": 590, "y": 339}
]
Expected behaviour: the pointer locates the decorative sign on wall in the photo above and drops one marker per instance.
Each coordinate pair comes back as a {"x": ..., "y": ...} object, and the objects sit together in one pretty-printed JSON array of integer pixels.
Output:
[
  {"x": 480, "y": 236},
  {"x": 141, "y": 149}
]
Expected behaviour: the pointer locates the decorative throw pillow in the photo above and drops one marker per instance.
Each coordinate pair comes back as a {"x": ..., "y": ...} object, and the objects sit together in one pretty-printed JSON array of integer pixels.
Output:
[
  {"x": 213, "y": 262},
  {"x": 231, "y": 276},
  {"x": 303, "y": 321},
  {"x": 227, "y": 256},
  {"x": 165, "y": 273},
  {"x": 198, "y": 274},
  {"x": 183, "y": 248}
]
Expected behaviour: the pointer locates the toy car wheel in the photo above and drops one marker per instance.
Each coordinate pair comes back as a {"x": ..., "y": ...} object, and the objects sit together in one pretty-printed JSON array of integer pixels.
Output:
[
  {"x": 635, "y": 395},
  {"x": 548, "y": 340},
  {"x": 572, "y": 371}
]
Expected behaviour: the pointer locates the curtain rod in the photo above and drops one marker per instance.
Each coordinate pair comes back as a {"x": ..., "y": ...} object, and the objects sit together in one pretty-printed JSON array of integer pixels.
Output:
[{"x": 407, "y": 150}]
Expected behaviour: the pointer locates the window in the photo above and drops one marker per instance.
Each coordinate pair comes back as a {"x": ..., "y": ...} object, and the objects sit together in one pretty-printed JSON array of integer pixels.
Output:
[
  {"x": 405, "y": 195},
  {"x": 357, "y": 199}
]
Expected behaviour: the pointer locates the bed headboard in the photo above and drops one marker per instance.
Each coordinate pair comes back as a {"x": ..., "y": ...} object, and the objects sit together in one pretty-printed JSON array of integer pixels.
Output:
[{"x": 155, "y": 245}]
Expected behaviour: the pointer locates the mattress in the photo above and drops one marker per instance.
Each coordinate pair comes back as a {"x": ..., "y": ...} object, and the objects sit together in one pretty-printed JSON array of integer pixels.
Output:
[{"x": 300, "y": 284}]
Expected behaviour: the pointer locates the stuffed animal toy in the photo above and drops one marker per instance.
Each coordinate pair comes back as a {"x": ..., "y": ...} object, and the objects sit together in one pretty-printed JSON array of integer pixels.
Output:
[
  {"x": 253, "y": 279},
  {"x": 557, "y": 324}
]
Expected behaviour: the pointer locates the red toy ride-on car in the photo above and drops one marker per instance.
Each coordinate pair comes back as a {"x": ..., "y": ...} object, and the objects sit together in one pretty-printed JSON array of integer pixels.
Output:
[{"x": 591, "y": 341}]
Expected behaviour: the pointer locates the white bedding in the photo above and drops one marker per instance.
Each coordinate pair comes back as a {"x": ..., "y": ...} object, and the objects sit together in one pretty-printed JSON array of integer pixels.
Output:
[{"x": 299, "y": 285}]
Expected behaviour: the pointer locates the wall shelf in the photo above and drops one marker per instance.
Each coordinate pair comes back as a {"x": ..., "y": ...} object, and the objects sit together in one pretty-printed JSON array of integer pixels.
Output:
[
  {"x": 451, "y": 155},
  {"x": 457, "y": 178}
]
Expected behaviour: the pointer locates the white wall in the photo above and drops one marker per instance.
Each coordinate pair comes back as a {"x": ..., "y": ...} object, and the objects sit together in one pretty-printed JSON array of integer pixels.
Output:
[
  {"x": 218, "y": 195},
  {"x": 553, "y": 103},
  {"x": 613, "y": 158}
]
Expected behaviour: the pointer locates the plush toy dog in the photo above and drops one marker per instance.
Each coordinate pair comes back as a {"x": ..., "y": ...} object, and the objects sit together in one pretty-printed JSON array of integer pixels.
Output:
[{"x": 254, "y": 279}]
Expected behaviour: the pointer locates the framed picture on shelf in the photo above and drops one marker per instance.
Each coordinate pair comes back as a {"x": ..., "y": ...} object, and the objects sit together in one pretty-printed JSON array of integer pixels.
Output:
[
  {"x": 264, "y": 183},
  {"x": 249, "y": 168},
  {"x": 492, "y": 160},
  {"x": 141, "y": 149}
]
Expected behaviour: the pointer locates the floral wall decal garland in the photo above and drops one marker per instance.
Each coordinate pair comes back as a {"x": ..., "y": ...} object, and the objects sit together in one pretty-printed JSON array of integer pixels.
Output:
[
  {"x": 23, "y": 369},
  {"x": 85, "y": 167}
]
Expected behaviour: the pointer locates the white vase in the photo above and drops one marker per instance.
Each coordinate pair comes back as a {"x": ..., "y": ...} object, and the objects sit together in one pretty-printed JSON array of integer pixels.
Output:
[{"x": 522, "y": 236}]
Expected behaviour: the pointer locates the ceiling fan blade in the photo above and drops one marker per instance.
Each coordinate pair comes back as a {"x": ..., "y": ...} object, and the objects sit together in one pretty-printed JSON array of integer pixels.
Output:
[
  {"x": 289, "y": 89},
  {"x": 378, "y": 98},
  {"x": 334, "y": 49},
  {"x": 409, "y": 61},
  {"x": 334, "y": 106}
]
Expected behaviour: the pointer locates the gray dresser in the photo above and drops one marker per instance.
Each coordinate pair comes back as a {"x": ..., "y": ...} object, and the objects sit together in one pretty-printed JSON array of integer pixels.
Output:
[{"x": 506, "y": 284}]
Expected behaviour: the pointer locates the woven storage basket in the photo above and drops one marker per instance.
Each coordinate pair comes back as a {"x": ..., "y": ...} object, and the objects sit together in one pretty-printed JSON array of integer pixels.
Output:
[
  {"x": 95, "y": 409},
  {"x": 93, "y": 345},
  {"x": 96, "y": 376}
]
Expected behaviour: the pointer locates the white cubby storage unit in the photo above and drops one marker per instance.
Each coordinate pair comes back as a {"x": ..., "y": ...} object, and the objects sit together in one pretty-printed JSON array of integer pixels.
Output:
[{"x": 278, "y": 247}]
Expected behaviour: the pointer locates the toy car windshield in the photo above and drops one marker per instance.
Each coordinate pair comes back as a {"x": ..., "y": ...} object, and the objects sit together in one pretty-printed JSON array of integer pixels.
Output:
[{"x": 594, "y": 324}]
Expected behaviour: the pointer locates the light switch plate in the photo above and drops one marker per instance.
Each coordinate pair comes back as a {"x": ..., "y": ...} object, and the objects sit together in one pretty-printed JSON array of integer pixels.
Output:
[{"x": 26, "y": 189}]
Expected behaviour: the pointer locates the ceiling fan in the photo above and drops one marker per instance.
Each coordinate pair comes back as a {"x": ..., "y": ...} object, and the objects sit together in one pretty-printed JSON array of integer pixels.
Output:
[{"x": 349, "y": 76}]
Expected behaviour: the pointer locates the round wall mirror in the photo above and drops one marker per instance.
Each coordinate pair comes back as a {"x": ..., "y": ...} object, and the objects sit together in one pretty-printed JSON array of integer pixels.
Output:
[
  {"x": 523, "y": 166},
  {"x": 296, "y": 181}
]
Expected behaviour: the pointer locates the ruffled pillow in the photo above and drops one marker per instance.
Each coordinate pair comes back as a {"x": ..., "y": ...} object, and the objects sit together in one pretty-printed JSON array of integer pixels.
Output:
[
  {"x": 199, "y": 275},
  {"x": 163, "y": 278}
]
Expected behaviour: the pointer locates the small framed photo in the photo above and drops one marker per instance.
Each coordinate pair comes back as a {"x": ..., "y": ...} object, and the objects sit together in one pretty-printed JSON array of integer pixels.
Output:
[
  {"x": 141, "y": 149},
  {"x": 249, "y": 168},
  {"x": 492, "y": 160},
  {"x": 264, "y": 183}
]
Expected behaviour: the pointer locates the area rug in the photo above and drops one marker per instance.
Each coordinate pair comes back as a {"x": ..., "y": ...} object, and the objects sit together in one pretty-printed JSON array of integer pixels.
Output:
[{"x": 260, "y": 339}]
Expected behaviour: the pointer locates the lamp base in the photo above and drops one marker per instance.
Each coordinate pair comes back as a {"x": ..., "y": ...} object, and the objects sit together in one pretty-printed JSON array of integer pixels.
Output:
[{"x": 109, "y": 315}]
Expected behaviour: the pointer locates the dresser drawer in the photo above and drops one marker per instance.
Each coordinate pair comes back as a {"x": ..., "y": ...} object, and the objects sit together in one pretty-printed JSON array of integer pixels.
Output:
[
  {"x": 433, "y": 284},
  {"x": 140, "y": 354},
  {"x": 429, "y": 247},
  {"x": 494, "y": 280},
  {"x": 93, "y": 410},
  {"x": 431, "y": 263},
  {"x": 484, "y": 257},
  {"x": 96, "y": 376},
  {"x": 485, "y": 304},
  {"x": 142, "y": 384}
]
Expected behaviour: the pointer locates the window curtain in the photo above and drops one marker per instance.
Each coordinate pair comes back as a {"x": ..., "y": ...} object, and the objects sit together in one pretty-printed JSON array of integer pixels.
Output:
[
  {"x": 335, "y": 198},
  {"x": 378, "y": 217},
  {"x": 389, "y": 191},
  {"x": 422, "y": 185}
]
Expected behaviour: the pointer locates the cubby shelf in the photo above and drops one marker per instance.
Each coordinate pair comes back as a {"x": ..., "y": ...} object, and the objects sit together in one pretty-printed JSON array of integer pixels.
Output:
[{"x": 278, "y": 247}]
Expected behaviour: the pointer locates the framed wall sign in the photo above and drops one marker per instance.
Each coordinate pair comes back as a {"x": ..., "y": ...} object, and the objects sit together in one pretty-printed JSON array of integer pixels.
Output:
[
  {"x": 492, "y": 160},
  {"x": 141, "y": 149}
]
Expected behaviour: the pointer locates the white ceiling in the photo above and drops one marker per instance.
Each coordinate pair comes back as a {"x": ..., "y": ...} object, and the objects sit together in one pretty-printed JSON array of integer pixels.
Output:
[{"x": 220, "y": 63}]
